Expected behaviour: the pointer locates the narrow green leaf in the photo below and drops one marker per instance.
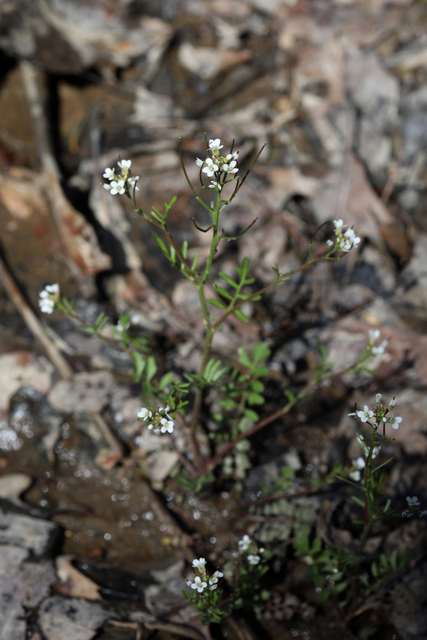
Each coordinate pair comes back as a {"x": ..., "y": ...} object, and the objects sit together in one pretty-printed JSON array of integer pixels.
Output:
[
  {"x": 223, "y": 292},
  {"x": 317, "y": 545},
  {"x": 301, "y": 546},
  {"x": 261, "y": 371},
  {"x": 169, "y": 205},
  {"x": 261, "y": 351},
  {"x": 139, "y": 365},
  {"x": 216, "y": 303},
  {"x": 255, "y": 398},
  {"x": 228, "y": 404},
  {"x": 239, "y": 314},
  {"x": 151, "y": 368},
  {"x": 166, "y": 380},
  {"x": 218, "y": 374},
  {"x": 244, "y": 358},
  {"x": 157, "y": 215},
  {"x": 244, "y": 268},
  {"x": 161, "y": 245},
  {"x": 290, "y": 396},
  {"x": 195, "y": 261},
  {"x": 340, "y": 587},
  {"x": 393, "y": 560},
  {"x": 184, "y": 249},
  {"x": 251, "y": 415},
  {"x": 228, "y": 280}
]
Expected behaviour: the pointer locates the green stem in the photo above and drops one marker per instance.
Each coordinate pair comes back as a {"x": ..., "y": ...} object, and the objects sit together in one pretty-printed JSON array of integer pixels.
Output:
[
  {"x": 204, "y": 308},
  {"x": 368, "y": 489}
]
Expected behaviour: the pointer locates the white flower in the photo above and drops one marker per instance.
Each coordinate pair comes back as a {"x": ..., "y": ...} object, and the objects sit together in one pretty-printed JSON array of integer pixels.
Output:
[
  {"x": 213, "y": 581},
  {"x": 349, "y": 240},
  {"x": 210, "y": 167},
  {"x": 199, "y": 585},
  {"x": 188, "y": 583},
  {"x": 378, "y": 398},
  {"x": 46, "y": 304},
  {"x": 115, "y": 187},
  {"x": 132, "y": 182},
  {"x": 215, "y": 146},
  {"x": 46, "y": 298},
  {"x": 374, "y": 334},
  {"x": 244, "y": 543},
  {"x": 252, "y": 559},
  {"x": 199, "y": 162},
  {"x": 199, "y": 564},
  {"x": 394, "y": 421},
  {"x": 379, "y": 349},
  {"x": 412, "y": 502},
  {"x": 365, "y": 414},
  {"x": 53, "y": 289},
  {"x": 215, "y": 185},
  {"x": 167, "y": 425},
  {"x": 230, "y": 168},
  {"x": 393, "y": 402},
  {"x": 406, "y": 514},
  {"x": 144, "y": 414},
  {"x": 108, "y": 173},
  {"x": 232, "y": 156},
  {"x": 330, "y": 243},
  {"x": 359, "y": 463},
  {"x": 375, "y": 452},
  {"x": 338, "y": 226},
  {"x": 125, "y": 166}
]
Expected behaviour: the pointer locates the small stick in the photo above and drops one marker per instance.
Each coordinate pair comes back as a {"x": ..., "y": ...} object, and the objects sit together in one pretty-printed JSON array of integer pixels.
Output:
[{"x": 33, "y": 323}]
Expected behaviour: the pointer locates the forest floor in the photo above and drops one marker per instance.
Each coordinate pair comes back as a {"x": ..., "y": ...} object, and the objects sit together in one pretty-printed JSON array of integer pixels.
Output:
[{"x": 96, "y": 533}]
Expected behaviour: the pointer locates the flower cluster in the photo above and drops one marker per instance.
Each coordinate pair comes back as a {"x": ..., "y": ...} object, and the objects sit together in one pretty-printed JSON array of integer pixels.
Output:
[
  {"x": 246, "y": 544},
  {"x": 159, "y": 422},
  {"x": 412, "y": 508},
  {"x": 359, "y": 463},
  {"x": 123, "y": 182},
  {"x": 376, "y": 350},
  {"x": 218, "y": 167},
  {"x": 378, "y": 414},
  {"x": 47, "y": 298},
  {"x": 344, "y": 240},
  {"x": 203, "y": 581}
]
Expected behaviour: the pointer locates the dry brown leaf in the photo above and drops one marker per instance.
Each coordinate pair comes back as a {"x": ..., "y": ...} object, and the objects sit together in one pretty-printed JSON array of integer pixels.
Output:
[
  {"x": 346, "y": 193},
  {"x": 73, "y": 583}
]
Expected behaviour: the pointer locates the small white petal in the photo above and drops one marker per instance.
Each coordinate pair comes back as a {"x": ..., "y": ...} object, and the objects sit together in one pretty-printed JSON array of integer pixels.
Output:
[{"x": 108, "y": 173}]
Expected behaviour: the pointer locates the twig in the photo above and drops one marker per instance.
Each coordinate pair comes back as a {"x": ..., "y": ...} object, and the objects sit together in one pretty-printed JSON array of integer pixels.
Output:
[{"x": 33, "y": 323}]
